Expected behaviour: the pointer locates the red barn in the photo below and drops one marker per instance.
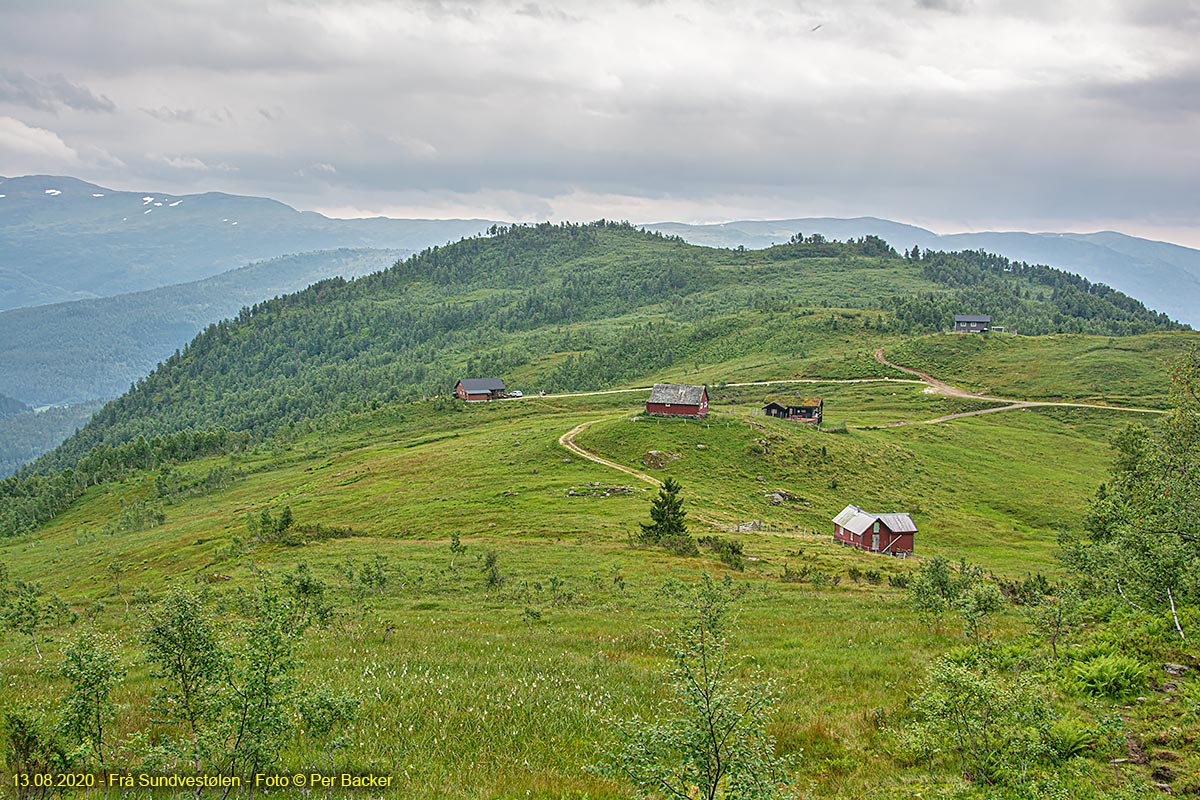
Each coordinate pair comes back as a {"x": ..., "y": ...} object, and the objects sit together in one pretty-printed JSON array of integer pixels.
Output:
[
  {"x": 678, "y": 400},
  {"x": 475, "y": 390},
  {"x": 879, "y": 533}
]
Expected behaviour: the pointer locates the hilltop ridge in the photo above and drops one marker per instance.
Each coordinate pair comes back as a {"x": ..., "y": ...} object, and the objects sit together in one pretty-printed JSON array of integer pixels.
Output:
[{"x": 1164, "y": 276}]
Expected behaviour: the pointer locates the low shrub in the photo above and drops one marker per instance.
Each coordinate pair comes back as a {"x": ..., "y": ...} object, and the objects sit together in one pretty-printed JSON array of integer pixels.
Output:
[
  {"x": 1113, "y": 676},
  {"x": 1070, "y": 738},
  {"x": 728, "y": 550}
]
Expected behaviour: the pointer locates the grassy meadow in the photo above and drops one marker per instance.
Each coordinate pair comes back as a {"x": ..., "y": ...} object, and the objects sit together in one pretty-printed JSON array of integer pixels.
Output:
[
  {"x": 467, "y": 690},
  {"x": 1131, "y": 371}
]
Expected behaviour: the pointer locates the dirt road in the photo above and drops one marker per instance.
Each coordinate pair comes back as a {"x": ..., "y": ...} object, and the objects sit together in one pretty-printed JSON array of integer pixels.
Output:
[
  {"x": 567, "y": 440},
  {"x": 943, "y": 388}
]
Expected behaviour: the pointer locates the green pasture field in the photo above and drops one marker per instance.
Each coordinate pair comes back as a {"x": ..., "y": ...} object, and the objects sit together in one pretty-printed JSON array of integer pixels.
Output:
[
  {"x": 1132, "y": 370},
  {"x": 467, "y": 692}
]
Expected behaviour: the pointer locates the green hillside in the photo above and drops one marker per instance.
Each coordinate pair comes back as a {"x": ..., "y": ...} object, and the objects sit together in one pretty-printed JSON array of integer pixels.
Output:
[
  {"x": 448, "y": 670},
  {"x": 446, "y": 595},
  {"x": 570, "y": 308},
  {"x": 1126, "y": 370}
]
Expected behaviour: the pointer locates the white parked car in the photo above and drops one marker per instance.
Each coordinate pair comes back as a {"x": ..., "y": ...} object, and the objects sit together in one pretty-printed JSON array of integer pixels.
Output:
[{"x": 516, "y": 394}]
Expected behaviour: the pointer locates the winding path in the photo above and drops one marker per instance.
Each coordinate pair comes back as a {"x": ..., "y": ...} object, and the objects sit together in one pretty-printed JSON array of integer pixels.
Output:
[
  {"x": 567, "y": 440},
  {"x": 732, "y": 385},
  {"x": 943, "y": 388}
]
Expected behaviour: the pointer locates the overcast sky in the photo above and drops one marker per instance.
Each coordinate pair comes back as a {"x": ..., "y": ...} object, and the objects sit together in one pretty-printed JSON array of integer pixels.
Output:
[{"x": 952, "y": 114}]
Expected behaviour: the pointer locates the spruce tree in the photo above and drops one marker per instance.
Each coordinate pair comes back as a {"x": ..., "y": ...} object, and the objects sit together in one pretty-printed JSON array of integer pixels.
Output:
[{"x": 667, "y": 526}]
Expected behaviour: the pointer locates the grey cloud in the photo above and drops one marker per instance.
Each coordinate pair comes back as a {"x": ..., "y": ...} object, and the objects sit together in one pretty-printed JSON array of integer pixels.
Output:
[
  {"x": 207, "y": 116},
  {"x": 1165, "y": 13},
  {"x": 164, "y": 114},
  {"x": 885, "y": 110},
  {"x": 1171, "y": 97},
  {"x": 225, "y": 36},
  {"x": 549, "y": 12},
  {"x": 50, "y": 93},
  {"x": 955, "y": 6}
]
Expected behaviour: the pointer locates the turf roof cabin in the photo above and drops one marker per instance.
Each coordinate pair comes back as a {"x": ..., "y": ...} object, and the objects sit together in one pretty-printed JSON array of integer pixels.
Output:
[
  {"x": 972, "y": 323},
  {"x": 476, "y": 390},
  {"x": 879, "y": 533},
  {"x": 678, "y": 400},
  {"x": 807, "y": 410}
]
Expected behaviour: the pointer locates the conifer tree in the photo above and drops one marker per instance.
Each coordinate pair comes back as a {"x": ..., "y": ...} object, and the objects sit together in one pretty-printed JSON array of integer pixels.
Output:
[{"x": 667, "y": 526}]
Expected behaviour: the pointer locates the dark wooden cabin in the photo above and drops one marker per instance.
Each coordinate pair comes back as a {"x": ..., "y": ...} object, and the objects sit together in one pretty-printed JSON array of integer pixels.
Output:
[
  {"x": 477, "y": 390},
  {"x": 972, "y": 323},
  {"x": 809, "y": 409}
]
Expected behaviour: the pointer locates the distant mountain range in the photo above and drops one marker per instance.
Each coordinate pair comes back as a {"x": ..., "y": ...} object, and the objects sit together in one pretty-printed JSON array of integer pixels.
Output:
[
  {"x": 64, "y": 239},
  {"x": 74, "y": 352},
  {"x": 1164, "y": 276}
]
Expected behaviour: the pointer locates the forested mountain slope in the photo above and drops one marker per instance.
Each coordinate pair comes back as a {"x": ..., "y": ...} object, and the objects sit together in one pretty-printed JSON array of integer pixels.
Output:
[
  {"x": 10, "y": 406},
  {"x": 570, "y": 307}
]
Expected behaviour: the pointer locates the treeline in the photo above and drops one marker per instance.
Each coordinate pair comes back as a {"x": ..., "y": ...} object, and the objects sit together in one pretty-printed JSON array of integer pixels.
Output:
[
  {"x": 817, "y": 246},
  {"x": 1029, "y": 299},
  {"x": 29, "y": 499}
]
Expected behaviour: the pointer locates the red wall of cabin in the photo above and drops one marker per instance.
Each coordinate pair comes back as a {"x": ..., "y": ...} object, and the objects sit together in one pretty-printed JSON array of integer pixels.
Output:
[
  {"x": 677, "y": 409},
  {"x": 903, "y": 542}
]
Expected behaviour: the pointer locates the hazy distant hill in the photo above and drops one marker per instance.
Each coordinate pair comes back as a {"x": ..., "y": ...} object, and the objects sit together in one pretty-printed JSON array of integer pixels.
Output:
[
  {"x": 25, "y": 436},
  {"x": 88, "y": 349},
  {"x": 10, "y": 406},
  {"x": 64, "y": 239},
  {"x": 1164, "y": 276}
]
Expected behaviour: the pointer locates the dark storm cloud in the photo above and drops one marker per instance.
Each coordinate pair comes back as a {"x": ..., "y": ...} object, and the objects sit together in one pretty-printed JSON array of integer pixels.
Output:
[
  {"x": 976, "y": 112},
  {"x": 49, "y": 93}
]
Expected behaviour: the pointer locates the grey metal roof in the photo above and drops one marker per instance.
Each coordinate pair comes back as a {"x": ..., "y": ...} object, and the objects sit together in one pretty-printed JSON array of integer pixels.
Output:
[
  {"x": 853, "y": 518},
  {"x": 480, "y": 385},
  {"x": 898, "y": 523},
  {"x": 972, "y": 318},
  {"x": 861, "y": 522},
  {"x": 847, "y": 514},
  {"x": 673, "y": 393}
]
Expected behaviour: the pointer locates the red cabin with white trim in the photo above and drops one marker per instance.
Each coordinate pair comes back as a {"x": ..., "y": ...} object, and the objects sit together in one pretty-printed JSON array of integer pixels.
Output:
[{"x": 878, "y": 533}]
